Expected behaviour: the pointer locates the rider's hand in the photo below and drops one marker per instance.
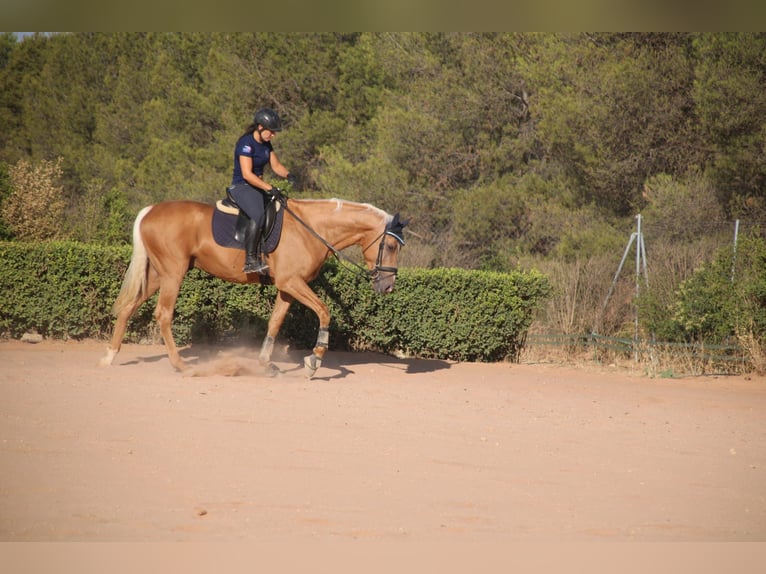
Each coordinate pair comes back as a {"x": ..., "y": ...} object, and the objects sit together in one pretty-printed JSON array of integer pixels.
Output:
[{"x": 292, "y": 179}]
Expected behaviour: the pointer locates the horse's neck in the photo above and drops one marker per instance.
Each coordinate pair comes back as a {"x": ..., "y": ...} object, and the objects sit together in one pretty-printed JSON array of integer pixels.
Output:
[{"x": 341, "y": 223}]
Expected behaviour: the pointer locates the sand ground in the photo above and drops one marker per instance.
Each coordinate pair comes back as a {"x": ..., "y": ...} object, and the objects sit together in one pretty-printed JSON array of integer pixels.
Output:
[{"x": 373, "y": 448}]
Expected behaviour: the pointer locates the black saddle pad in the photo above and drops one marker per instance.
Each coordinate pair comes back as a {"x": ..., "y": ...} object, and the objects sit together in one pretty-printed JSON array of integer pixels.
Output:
[{"x": 223, "y": 231}]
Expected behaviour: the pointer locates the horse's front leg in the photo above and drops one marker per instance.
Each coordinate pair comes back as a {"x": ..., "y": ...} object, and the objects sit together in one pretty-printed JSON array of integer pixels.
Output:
[
  {"x": 312, "y": 362},
  {"x": 300, "y": 291},
  {"x": 278, "y": 314}
]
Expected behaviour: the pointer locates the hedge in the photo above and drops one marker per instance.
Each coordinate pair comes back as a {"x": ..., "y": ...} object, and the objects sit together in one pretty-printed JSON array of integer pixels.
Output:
[{"x": 66, "y": 290}]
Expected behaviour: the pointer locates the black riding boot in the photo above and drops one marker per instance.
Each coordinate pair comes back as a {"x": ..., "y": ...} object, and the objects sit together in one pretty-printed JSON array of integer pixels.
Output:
[{"x": 253, "y": 260}]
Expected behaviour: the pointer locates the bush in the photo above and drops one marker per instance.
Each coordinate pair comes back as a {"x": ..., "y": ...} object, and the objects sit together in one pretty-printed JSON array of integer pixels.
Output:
[
  {"x": 59, "y": 289},
  {"x": 66, "y": 289},
  {"x": 721, "y": 301}
]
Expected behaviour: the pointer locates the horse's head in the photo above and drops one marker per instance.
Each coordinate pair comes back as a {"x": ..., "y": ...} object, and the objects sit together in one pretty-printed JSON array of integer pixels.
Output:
[{"x": 384, "y": 263}]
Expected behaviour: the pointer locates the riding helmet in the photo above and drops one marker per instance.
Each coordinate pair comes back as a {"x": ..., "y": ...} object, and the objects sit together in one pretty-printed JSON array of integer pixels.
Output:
[{"x": 269, "y": 119}]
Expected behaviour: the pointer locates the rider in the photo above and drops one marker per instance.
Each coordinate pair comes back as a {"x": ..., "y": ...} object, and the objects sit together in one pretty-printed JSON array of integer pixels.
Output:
[{"x": 248, "y": 189}]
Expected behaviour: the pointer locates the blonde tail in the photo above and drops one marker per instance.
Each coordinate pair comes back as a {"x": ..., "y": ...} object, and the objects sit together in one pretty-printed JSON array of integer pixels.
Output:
[{"x": 134, "y": 283}]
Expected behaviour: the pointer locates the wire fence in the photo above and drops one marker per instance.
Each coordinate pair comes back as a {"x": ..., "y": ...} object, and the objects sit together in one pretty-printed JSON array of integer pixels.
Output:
[
  {"x": 672, "y": 256},
  {"x": 697, "y": 358}
]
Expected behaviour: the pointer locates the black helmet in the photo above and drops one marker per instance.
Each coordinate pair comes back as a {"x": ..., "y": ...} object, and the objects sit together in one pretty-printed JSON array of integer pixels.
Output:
[{"x": 269, "y": 119}]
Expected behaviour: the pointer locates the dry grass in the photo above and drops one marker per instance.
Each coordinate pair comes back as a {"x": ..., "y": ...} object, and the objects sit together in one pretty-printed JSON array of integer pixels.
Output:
[
  {"x": 655, "y": 360},
  {"x": 34, "y": 210},
  {"x": 755, "y": 350}
]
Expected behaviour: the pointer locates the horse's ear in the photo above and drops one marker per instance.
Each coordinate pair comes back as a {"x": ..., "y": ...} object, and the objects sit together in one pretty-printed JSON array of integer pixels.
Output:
[{"x": 396, "y": 227}]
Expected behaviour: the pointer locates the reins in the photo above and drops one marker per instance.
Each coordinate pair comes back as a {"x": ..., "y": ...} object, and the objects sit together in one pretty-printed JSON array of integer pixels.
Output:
[{"x": 352, "y": 266}]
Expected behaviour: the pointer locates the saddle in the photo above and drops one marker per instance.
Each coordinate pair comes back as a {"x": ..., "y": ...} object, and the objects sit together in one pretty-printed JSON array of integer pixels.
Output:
[{"x": 229, "y": 223}]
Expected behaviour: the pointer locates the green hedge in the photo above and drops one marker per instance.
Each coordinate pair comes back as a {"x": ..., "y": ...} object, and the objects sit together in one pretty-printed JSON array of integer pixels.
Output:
[{"x": 66, "y": 290}]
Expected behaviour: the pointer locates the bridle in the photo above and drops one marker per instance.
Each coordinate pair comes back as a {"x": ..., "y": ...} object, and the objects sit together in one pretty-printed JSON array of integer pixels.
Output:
[
  {"x": 393, "y": 229},
  {"x": 379, "y": 268}
]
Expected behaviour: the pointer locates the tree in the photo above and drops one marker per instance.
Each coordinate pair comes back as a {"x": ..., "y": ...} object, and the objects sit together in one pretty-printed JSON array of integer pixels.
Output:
[
  {"x": 730, "y": 78},
  {"x": 613, "y": 111},
  {"x": 681, "y": 209},
  {"x": 5, "y": 191},
  {"x": 34, "y": 211},
  {"x": 23, "y": 63},
  {"x": 571, "y": 125}
]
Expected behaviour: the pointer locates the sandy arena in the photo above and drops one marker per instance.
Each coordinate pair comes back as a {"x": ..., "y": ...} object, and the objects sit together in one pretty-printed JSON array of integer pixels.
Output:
[{"x": 373, "y": 448}]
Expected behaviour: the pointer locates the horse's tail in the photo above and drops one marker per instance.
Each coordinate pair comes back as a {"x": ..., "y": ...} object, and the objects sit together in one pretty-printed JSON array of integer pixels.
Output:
[{"x": 134, "y": 283}]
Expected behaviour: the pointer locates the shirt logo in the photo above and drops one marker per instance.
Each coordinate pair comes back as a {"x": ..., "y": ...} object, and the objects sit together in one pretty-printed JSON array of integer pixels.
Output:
[{"x": 247, "y": 149}]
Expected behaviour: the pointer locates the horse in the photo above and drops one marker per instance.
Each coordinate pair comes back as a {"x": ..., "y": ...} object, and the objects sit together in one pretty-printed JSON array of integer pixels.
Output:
[{"x": 172, "y": 237}]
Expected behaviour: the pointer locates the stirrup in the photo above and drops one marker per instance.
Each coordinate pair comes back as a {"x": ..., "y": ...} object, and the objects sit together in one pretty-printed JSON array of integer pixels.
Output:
[{"x": 255, "y": 267}]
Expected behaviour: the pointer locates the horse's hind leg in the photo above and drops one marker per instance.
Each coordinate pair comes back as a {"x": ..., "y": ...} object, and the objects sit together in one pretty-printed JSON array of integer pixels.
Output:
[
  {"x": 163, "y": 313},
  {"x": 124, "y": 315},
  {"x": 281, "y": 306}
]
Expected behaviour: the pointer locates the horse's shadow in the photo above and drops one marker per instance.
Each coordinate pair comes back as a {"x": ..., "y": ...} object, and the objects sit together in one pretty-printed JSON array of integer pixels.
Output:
[
  {"x": 142, "y": 359},
  {"x": 243, "y": 361},
  {"x": 343, "y": 365},
  {"x": 189, "y": 355}
]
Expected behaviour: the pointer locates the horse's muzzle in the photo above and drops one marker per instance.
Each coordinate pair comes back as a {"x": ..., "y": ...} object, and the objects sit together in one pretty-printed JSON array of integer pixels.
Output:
[{"x": 383, "y": 279}]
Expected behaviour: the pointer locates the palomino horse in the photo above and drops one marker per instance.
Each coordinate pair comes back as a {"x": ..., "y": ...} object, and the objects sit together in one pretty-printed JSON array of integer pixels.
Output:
[{"x": 171, "y": 237}]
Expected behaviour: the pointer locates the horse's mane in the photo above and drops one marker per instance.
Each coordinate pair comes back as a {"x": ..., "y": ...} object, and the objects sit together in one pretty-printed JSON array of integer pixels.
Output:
[{"x": 340, "y": 204}]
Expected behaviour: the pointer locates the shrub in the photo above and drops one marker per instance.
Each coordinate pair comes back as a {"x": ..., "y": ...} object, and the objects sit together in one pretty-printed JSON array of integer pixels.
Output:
[
  {"x": 60, "y": 289},
  {"x": 722, "y": 300}
]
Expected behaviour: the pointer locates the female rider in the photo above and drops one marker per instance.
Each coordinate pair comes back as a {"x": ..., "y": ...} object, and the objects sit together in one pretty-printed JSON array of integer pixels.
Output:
[{"x": 248, "y": 189}]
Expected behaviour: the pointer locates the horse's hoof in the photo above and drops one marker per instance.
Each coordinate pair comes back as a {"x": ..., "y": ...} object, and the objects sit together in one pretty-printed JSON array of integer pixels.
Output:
[
  {"x": 106, "y": 360},
  {"x": 311, "y": 364},
  {"x": 181, "y": 367},
  {"x": 271, "y": 370}
]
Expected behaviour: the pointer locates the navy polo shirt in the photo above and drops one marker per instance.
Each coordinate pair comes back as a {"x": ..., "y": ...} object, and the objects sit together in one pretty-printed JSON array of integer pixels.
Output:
[{"x": 259, "y": 152}]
